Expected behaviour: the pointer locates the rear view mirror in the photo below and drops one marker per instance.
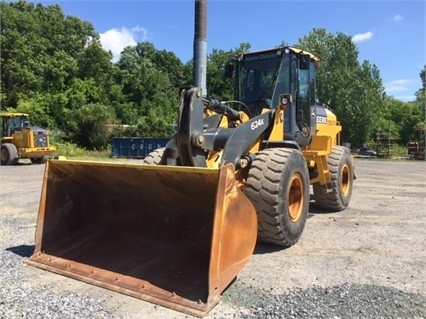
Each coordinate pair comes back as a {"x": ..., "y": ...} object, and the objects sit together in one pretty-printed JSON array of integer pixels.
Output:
[
  {"x": 304, "y": 60},
  {"x": 229, "y": 71}
]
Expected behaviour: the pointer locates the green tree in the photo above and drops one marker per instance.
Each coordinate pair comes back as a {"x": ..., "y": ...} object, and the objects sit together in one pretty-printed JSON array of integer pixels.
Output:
[
  {"x": 355, "y": 90},
  {"x": 401, "y": 118},
  {"x": 40, "y": 49},
  {"x": 421, "y": 93},
  {"x": 88, "y": 126},
  {"x": 165, "y": 61},
  {"x": 147, "y": 85},
  {"x": 420, "y": 127},
  {"x": 38, "y": 108},
  {"x": 217, "y": 85},
  {"x": 52, "y": 65}
]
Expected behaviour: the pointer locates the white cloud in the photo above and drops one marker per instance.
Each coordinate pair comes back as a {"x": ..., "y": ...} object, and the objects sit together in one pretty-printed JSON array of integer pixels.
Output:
[
  {"x": 397, "y": 85},
  {"x": 398, "y": 17},
  {"x": 398, "y": 89},
  {"x": 116, "y": 39},
  {"x": 406, "y": 98},
  {"x": 360, "y": 37}
]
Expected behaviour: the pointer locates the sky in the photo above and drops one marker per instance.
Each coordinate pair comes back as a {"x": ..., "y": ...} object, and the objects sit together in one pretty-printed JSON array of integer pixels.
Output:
[{"x": 388, "y": 33}]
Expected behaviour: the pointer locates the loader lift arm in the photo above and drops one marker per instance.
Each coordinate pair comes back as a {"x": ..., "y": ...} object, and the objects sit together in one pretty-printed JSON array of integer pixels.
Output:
[
  {"x": 189, "y": 136},
  {"x": 198, "y": 134}
]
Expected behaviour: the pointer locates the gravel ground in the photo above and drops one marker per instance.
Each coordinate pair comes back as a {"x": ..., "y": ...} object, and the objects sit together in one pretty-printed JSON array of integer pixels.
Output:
[{"x": 366, "y": 262}]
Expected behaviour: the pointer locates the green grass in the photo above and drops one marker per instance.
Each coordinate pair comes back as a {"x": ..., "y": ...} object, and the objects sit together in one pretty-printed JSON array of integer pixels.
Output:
[{"x": 72, "y": 151}]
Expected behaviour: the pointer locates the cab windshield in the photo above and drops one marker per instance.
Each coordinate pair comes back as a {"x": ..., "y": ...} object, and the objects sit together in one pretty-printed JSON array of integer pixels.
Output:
[{"x": 263, "y": 76}]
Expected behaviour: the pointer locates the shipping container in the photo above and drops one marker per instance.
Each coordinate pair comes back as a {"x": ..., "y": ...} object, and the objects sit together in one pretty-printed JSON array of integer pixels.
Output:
[{"x": 136, "y": 147}]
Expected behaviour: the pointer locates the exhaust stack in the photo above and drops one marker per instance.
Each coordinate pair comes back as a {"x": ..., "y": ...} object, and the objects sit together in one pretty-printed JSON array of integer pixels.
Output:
[{"x": 200, "y": 46}]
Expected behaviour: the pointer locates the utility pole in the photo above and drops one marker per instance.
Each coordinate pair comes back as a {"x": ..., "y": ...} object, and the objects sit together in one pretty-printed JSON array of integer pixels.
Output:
[{"x": 200, "y": 46}]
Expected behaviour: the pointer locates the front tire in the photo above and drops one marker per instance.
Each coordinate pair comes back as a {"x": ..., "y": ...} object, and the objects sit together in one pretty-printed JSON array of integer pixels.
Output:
[
  {"x": 154, "y": 157},
  {"x": 40, "y": 160},
  {"x": 278, "y": 187},
  {"x": 9, "y": 154},
  {"x": 341, "y": 170}
]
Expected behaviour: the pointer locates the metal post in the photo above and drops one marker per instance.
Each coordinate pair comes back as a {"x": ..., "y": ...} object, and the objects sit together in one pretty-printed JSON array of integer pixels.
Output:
[
  {"x": 200, "y": 46},
  {"x": 378, "y": 141}
]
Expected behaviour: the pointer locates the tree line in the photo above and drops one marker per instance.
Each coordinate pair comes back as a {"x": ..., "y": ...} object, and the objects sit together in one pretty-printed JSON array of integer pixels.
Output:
[{"x": 54, "y": 68}]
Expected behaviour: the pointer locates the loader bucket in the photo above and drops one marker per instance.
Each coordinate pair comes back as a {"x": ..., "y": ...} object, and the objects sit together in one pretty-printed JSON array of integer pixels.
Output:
[{"x": 174, "y": 236}]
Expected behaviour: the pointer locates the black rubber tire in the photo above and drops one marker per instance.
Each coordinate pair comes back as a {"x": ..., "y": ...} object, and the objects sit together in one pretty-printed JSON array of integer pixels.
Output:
[
  {"x": 9, "y": 154},
  {"x": 39, "y": 160},
  {"x": 341, "y": 169},
  {"x": 278, "y": 187},
  {"x": 154, "y": 157}
]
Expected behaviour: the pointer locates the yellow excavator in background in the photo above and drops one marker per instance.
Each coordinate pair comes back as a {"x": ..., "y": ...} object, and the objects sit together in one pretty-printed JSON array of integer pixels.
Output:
[{"x": 178, "y": 232}]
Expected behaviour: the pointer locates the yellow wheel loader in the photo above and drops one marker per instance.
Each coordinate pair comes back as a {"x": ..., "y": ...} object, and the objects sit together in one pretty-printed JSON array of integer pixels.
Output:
[
  {"x": 21, "y": 140},
  {"x": 177, "y": 232}
]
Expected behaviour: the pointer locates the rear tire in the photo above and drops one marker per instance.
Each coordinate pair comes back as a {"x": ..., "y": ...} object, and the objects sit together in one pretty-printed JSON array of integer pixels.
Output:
[
  {"x": 9, "y": 154},
  {"x": 341, "y": 170},
  {"x": 154, "y": 157},
  {"x": 278, "y": 187}
]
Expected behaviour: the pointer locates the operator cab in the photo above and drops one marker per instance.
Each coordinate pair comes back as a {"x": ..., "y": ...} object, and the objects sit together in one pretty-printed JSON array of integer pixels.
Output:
[
  {"x": 261, "y": 77},
  {"x": 12, "y": 123}
]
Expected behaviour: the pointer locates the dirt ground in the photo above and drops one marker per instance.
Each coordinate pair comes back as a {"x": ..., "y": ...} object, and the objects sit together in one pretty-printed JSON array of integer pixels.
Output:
[{"x": 380, "y": 239}]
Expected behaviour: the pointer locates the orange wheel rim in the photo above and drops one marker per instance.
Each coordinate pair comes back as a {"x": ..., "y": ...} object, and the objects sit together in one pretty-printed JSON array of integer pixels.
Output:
[
  {"x": 345, "y": 180},
  {"x": 295, "y": 198}
]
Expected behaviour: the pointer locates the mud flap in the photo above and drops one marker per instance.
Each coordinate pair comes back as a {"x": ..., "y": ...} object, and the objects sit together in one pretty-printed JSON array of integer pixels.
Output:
[{"x": 174, "y": 236}]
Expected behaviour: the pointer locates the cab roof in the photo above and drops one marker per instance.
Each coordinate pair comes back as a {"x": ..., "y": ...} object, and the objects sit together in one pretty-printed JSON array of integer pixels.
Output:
[
  {"x": 293, "y": 49},
  {"x": 12, "y": 114}
]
